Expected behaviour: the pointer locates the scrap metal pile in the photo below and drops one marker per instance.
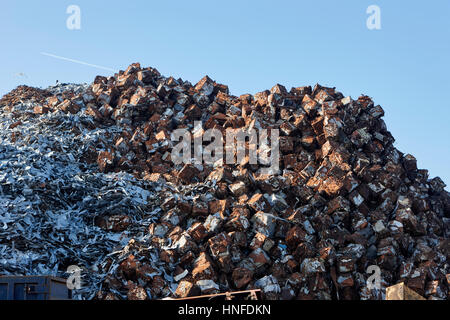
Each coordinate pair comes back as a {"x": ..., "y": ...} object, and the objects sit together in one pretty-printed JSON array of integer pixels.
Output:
[{"x": 87, "y": 179}]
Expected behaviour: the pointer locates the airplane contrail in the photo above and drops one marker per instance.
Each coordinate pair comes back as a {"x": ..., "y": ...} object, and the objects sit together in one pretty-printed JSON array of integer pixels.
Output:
[{"x": 77, "y": 61}]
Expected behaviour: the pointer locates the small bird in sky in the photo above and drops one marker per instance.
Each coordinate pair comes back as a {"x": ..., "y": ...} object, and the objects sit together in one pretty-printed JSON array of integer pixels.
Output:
[{"x": 21, "y": 74}]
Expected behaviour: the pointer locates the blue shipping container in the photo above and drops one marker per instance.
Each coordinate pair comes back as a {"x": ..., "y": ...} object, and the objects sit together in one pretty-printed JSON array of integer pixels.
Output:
[{"x": 33, "y": 288}]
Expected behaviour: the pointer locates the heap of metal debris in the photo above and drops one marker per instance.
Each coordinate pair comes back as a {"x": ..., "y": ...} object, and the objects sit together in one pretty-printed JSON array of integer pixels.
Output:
[{"x": 86, "y": 179}]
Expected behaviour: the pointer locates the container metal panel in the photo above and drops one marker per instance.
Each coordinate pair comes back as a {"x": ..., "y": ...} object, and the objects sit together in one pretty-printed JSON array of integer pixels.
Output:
[
  {"x": 3, "y": 291},
  {"x": 33, "y": 288}
]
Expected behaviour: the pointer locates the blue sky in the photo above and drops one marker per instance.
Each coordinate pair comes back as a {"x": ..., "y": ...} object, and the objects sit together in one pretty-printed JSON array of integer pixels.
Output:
[{"x": 250, "y": 46}]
